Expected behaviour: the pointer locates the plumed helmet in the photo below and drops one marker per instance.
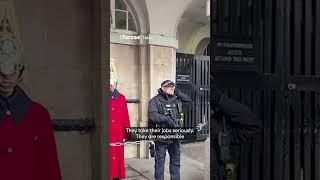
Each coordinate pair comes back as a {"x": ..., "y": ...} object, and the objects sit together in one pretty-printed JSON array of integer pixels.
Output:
[
  {"x": 113, "y": 72},
  {"x": 10, "y": 50}
]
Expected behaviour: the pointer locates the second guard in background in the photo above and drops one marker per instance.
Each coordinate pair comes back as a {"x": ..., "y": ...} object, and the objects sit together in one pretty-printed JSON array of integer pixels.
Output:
[{"x": 119, "y": 120}]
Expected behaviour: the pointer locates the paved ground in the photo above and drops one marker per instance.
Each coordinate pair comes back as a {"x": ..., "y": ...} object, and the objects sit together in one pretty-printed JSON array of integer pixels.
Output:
[
  {"x": 194, "y": 151},
  {"x": 192, "y": 166}
]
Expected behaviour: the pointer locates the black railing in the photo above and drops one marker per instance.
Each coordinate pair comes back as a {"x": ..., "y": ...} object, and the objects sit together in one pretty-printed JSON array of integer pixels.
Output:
[
  {"x": 134, "y": 101},
  {"x": 82, "y": 125}
]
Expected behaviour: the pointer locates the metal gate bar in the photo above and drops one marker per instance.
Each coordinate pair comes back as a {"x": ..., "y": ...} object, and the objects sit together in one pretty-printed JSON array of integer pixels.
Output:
[
  {"x": 286, "y": 37},
  {"x": 197, "y": 70}
]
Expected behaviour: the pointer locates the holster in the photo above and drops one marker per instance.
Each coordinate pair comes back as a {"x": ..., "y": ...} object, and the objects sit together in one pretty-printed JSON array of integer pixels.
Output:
[{"x": 152, "y": 149}]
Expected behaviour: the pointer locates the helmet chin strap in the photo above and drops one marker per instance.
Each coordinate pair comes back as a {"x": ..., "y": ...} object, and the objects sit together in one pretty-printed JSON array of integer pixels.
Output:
[
  {"x": 21, "y": 71},
  {"x": 20, "y": 74}
]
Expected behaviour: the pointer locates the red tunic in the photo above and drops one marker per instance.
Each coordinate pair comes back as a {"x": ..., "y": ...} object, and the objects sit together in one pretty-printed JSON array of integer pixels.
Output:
[
  {"x": 28, "y": 149},
  {"x": 119, "y": 120}
]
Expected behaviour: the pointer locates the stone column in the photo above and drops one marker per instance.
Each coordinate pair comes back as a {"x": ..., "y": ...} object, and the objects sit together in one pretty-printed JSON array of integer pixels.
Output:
[
  {"x": 156, "y": 64},
  {"x": 144, "y": 96}
]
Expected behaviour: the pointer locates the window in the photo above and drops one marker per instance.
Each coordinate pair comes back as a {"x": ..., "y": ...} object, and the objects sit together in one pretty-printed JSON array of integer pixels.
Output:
[{"x": 123, "y": 17}]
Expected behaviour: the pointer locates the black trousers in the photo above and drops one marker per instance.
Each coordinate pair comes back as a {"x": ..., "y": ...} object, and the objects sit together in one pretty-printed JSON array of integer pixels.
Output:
[
  {"x": 160, "y": 157},
  {"x": 216, "y": 171}
]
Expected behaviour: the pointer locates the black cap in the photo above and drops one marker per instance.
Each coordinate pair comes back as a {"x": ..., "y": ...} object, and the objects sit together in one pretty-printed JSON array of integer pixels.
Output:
[{"x": 167, "y": 83}]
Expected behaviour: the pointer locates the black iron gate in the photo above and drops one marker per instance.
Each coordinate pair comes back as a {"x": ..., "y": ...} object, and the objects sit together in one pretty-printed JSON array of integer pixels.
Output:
[
  {"x": 266, "y": 54},
  {"x": 193, "y": 78}
]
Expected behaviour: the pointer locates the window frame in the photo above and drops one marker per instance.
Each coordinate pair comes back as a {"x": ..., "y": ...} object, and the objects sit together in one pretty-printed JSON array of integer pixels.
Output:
[{"x": 127, "y": 11}]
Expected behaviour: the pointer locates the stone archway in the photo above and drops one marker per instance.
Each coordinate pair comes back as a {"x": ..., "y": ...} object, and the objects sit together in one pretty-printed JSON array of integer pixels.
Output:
[
  {"x": 202, "y": 46},
  {"x": 193, "y": 26},
  {"x": 140, "y": 13}
]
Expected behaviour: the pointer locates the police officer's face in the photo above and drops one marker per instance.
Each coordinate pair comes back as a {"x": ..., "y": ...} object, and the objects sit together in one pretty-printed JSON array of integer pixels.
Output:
[
  {"x": 168, "y": 90},
  {"x": 8, "y": 82}
]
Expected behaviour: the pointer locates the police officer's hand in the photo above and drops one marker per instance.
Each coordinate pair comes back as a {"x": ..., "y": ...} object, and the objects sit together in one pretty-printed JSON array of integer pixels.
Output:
[
  {"x": 176, "y": 91},
  {"x": 170, "y": 122}
]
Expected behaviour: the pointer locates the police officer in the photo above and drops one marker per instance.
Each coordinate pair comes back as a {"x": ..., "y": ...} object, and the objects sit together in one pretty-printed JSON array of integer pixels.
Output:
[
  {"x": 232, "y": 125},
  {"x": 165, "y": 111}
]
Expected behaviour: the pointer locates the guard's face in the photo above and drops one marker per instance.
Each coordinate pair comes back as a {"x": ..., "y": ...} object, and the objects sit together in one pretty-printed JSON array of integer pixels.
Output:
[
  {"x": 168, "y": 89},
  {"x": 9, "y": 75},
  {"x": 113, "y": 87}
]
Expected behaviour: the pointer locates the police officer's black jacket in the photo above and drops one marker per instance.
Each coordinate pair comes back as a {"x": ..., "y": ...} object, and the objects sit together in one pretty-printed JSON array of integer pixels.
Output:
[
  {"x": 157, "y": 107},
  {"x": 242, "y": 123}
]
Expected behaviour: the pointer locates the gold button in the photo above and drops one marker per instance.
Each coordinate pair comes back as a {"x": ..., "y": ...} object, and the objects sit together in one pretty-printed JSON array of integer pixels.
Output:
[
  {"x": 35, "y": 138},
  {"x": 10, "y": 150},
  {"x": 112, "y": 109},
  {"x": 112, "y": 120},
  {"x": 113, "y": 158},
  {"x": 8, "y": 113}
]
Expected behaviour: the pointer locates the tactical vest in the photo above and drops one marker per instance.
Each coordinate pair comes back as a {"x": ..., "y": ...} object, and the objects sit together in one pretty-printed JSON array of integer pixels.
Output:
[{"x": 173, "y": 109}]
